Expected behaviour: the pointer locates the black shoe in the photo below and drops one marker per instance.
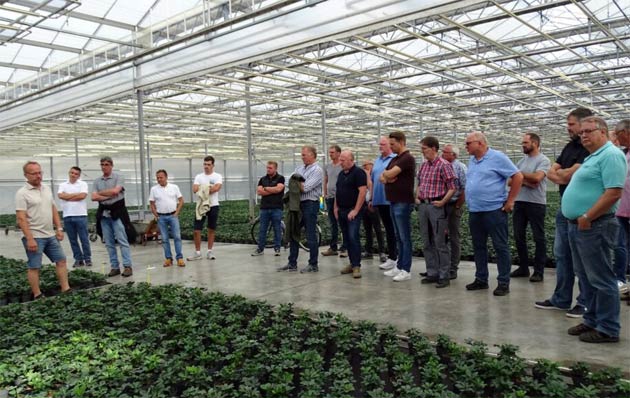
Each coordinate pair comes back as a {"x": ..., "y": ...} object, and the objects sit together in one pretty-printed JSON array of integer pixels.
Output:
[
  {"x": 536, "y": 277},
  {"x": 68, "y": 291},
  {"x": 477, "y": 285},
  {"x": 442, "y": 283},
  {"x": 520, "y": 272},
  {"x": 114, "y": 272},
  {"x": 579, "y": 329},
  {"x": 309, "y": 268},
  {"x": 39, "y": 296},
  {"x": 288, "y": 268},
  {"x": 428, "y": 280},
  {"x": 593, "y": 336},
  {"x": 502, "y": 290},
  {"x": 424, "y": 274},
  {"x": 452, "y": 275},
  {"x": 88, "y": 263}
]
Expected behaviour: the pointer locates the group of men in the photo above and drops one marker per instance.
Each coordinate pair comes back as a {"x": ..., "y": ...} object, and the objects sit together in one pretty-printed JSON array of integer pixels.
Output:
[
  {"x": 42, "y": 229},
  {"x": 591, "y": 174}
]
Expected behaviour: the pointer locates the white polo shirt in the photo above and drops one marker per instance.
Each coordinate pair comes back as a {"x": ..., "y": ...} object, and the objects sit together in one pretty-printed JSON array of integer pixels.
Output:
[
  {"x": 70, "y": 207},
  {"x": 165, "y": 198}
]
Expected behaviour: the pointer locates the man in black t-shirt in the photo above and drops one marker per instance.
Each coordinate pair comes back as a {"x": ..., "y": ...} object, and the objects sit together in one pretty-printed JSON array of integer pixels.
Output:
[
  {"x": 351, "y": 190},
  {"x": 271, "y": 190},
  {"x": 398, "y": 179},
  {"x": 570, "y": 159}
]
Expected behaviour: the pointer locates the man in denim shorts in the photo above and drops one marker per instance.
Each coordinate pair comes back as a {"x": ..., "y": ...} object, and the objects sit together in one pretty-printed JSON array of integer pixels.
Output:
[{"x": 39, "y": 221}]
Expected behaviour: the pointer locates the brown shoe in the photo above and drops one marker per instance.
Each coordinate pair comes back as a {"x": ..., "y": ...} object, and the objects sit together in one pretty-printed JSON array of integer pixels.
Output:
[
  {"x": 127, "y": 272},
  {"x": 114, "y": 272},
  {"x": 356, "y": 272},
  {"x": 180, "y": 262},
  {"x": 579, "y": 329},
  {"x": 346, "y": 270},
  {"x": 329, "y": 252},
  {"x": 167, "y": 263}
]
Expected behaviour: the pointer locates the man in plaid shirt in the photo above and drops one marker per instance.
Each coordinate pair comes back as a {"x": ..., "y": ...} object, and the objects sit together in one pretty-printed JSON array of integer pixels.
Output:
[{"x": 436, "y": 186}]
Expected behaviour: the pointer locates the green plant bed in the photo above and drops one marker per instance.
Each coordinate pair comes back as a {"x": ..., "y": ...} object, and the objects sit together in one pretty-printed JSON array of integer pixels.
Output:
[
  {"x": 169, "y": 341},
  {"x": 234, "y": 227},
  {"x": 14, "y": 287}
]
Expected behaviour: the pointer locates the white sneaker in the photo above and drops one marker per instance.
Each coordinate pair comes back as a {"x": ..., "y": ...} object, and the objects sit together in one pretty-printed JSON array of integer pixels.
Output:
[
  {"x": 623, "y": 287},
  {"x": 196, "y": 256},
  {"x": 402, "y": 276},
  {"x": 210, "y": 255},
  {"x": 392, "y": 272},
  {"x": 389, "y": 264}
]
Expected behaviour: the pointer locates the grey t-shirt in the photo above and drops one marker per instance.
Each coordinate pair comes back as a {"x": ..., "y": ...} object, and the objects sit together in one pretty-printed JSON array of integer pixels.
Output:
[
  {"x": 332, "y": 171},
  {"x": 112, "y": 181},
  {"x": 532, "y": 164}
]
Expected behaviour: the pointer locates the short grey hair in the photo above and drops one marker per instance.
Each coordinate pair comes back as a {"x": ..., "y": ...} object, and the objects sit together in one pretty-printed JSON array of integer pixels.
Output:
[
  {"x": 479, "y": 135},
  {"x": 454, "y": 148},
  {"x": 599, "y": 122}
]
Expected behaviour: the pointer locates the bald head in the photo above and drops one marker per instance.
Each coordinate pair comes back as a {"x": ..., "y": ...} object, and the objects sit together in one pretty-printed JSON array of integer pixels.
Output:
[
  {"x": 346, "y": 159},
  {"x": 476, "y": 144}
]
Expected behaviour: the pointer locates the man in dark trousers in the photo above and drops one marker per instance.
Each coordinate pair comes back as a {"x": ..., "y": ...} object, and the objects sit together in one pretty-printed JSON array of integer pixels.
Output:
[
  {"x": 271, "y": 190},
  {"x": 351, "y": 191},
  {"x": 569, "y": 161}
]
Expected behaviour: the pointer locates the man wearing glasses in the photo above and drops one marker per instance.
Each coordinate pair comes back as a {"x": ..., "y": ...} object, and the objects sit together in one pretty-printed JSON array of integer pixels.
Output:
[
  {"x": 39, "y": 221},
  {"x": 488, "y": 204},
  {"x": 454, "y": 206},
  {"x": 109, "y": 192},
  {"x": 589, "y": 204},
  {"x": 570, "y": 159}
]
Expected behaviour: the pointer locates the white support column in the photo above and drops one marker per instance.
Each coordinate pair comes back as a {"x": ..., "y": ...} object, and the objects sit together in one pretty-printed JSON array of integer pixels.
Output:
[
  {"x": 143, "y": 172},
  {"x": 251, "y": 159}
]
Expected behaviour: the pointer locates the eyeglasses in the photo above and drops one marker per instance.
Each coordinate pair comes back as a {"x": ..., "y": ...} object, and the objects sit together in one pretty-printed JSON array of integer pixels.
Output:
[
  {"x": 470, "y": 142},
  {"x": 105, "y": 164},
  {"x": 588, "y": 131},
  {"x": 34, "y": 173}
]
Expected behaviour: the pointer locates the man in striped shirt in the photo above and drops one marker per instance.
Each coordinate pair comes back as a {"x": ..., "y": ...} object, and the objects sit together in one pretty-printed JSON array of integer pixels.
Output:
[
  {"x": 436, "y": 186},
  {"x": 310, "y": 191}
]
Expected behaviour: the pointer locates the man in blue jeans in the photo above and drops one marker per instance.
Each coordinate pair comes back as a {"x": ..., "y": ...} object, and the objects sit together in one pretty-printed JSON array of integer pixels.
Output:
[
  {"x": 73, "y": 194},
  {"x": 398, "y": 178},
  {"x": 271, "y": 190},
  {"x": 109, "y": 192},
  {"x": 488, "y": 204},
  {"x": 310, "y": 191},
  {"x": 166, "y": 202},
  {"x": 569, "y": 161},
  {"x": 589, "y": 203},
  {"x": 331, "y": 172},
  {"x": 37, "y": 217},
  {"x": 349, "y": 200}
]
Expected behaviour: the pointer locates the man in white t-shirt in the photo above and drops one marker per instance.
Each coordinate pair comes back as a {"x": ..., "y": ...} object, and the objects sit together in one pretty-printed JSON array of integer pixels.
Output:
[
  {"x": 166, "y": 202},
  {"x": 212, "y": 182},
  {"x": 73, "y": 194}
]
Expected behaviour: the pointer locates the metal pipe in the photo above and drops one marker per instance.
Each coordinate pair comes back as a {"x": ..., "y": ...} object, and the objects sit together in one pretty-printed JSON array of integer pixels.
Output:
[
  {"x": 250, "y": 155},
  {"x": 140, "y": 95}
]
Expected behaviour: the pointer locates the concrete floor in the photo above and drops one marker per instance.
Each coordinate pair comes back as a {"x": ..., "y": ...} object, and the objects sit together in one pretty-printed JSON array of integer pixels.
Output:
[{"x": 452, "y": 311}]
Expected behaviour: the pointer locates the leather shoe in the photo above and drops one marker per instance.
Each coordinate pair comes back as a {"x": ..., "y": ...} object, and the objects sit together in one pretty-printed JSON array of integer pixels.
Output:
[
  {"x": 429, "y": 280},
  {"x": 520, "y": 272}
]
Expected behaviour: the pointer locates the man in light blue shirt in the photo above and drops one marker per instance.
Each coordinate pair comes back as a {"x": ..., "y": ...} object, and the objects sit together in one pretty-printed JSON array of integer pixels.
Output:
[
  {"x": 589, "y": 203},
  {"x": 488, "y": 204},
  {"x": 381, "y": 203}
]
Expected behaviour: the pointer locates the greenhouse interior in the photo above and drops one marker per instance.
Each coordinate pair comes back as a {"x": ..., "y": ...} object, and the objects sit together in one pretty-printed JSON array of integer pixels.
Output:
[{"x": 151, "y": 85}]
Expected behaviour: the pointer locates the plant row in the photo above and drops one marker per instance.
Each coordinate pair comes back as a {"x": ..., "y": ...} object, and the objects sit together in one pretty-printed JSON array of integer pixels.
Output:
[
  {"x": 14, "y": 287},
  {"x": 168, "y": 341}
]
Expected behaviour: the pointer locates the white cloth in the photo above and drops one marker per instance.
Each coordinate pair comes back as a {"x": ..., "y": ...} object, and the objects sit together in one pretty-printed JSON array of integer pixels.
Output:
[
  {"x": 203, "y": 201},
  {"x": 71, "y": 207},
  {"x": 210, "y": 179},
  {"x": 165, "y": 198}
]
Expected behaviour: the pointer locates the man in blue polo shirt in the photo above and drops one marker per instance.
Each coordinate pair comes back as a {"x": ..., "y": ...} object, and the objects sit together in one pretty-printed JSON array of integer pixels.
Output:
[
  {"x": 351, "y": 188},
  {"x": 589, "y": 203},
  {"x": 488, "y": 204}
]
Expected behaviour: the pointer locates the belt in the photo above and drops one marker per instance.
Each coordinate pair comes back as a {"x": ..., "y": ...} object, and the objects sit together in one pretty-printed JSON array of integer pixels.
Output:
[
  {"x": 600, "y": 218},
  {"x": 166, "y": 214},
  {"x": 431, "y": 199}
]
